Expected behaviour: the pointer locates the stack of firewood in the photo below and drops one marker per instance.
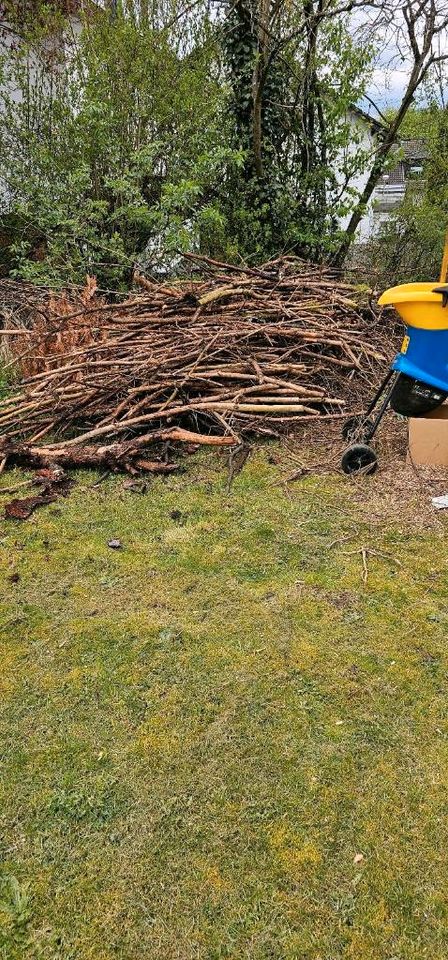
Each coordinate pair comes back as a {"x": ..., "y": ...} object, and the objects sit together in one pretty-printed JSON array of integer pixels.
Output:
[{"x": 239, "y": 349}]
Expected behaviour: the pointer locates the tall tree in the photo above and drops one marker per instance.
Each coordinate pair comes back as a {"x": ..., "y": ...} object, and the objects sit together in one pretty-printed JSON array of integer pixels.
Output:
[
  {"x": 417, "y": 35},
  {"x": 293, "y": 73}
]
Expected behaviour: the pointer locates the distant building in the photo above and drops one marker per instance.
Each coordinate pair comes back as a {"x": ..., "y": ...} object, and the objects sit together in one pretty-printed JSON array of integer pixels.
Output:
[
  {"x": 12, "y": 14},
  {"x": 392, "y": 186},
  {"x": 15, "y": 12},
  {"x": 366, "y": 133}
]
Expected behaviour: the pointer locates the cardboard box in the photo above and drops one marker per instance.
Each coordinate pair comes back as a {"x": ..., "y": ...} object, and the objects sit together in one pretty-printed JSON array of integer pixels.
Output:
[{"x": 428, "y": 438}]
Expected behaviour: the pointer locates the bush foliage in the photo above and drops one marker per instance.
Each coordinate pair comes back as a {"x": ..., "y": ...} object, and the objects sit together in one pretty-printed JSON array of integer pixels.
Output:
[{"x": 130, "y": 141}]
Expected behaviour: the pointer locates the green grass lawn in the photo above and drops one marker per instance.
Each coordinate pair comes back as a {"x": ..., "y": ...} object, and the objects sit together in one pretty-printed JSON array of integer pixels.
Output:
[{"x": 219, "y": 742}]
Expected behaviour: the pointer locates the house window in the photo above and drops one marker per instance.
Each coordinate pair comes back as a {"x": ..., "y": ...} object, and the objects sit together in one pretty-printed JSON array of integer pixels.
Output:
[{"x": 415, "y": 170}]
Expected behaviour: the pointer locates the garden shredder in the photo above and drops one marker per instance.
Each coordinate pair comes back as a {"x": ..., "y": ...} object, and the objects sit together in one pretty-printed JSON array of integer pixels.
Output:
[{"x": 417, "y": 381}]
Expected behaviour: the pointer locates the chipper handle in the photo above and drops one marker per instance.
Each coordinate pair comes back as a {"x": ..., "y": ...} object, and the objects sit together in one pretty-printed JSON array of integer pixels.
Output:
[
  {"x": 444, "y": 291},
  {"x": 444, "y": 267}
]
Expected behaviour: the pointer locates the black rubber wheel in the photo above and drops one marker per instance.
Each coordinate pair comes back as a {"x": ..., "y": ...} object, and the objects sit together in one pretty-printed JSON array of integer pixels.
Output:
[
  {"x": 413, "y": 398},
  {"x": 356, "y": 428},
  {"x": 359, "y": 458}
]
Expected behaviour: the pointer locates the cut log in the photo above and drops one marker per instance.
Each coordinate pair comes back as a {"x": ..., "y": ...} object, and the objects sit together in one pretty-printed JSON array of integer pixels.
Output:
[{"x": 114, "y": 456}]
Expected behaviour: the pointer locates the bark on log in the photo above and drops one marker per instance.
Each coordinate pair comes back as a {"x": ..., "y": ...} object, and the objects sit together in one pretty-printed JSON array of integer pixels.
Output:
[{"x": 114, "y": 456}]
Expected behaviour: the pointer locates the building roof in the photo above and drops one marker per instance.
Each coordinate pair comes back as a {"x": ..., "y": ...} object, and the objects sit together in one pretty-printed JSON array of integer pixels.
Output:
[
  {"x": 415, "y": 149},
  {"x": 374, "y": 124}
]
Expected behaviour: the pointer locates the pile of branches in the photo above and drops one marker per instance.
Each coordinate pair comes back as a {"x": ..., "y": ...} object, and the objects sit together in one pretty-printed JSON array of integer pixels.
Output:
[{"x": 208, "y": 359}]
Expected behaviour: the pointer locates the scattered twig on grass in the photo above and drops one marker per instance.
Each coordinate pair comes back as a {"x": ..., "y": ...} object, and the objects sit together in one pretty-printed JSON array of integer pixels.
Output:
[
  {"x": 295, "y": 475},
  {"x": 237, "y": 458},
  {"x": 416, "y": 470},
  {"x": 9, "y": 490},
  {"x": 365, "y": 571},
  {"x": 336, "y": 543},
  {"x": 101, "y": 479},
  {"x": 365, "y": 553},
  {"x": 386, "y": 556}
]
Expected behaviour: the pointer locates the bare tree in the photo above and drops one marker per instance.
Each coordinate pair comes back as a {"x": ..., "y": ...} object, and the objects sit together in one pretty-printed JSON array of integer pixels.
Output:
[
  {"x": 418, "y": 32},
  {"x": 282, "y": 29},
  {"x": 411, "y": 36}
]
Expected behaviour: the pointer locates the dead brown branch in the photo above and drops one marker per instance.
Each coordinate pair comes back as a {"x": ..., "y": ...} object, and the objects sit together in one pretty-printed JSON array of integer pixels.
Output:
[{"x": 194, "y": 362}]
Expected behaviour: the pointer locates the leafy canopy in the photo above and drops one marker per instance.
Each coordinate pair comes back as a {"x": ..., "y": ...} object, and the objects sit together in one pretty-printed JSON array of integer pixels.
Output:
[{"x": 133, "y": 138}]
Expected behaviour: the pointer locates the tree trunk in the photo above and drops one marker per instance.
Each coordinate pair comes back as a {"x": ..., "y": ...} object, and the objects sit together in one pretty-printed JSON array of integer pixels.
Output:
[
  {"x": 114, "y": 456},
  {"x": 258, "y": 86}
]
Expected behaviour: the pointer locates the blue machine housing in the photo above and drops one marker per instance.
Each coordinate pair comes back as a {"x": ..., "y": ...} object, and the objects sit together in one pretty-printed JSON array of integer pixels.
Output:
[{"x": 424, "y": 355}]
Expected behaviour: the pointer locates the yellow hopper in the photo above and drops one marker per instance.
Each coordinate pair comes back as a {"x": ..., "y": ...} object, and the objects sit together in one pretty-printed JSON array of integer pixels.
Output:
[{"x": 421, "y": 305}]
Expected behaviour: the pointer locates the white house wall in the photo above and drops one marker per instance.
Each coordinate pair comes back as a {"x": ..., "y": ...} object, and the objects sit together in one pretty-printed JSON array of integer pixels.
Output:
[
  {"x": 8, "y": 38},
  {"x": 362, "y": 140}
]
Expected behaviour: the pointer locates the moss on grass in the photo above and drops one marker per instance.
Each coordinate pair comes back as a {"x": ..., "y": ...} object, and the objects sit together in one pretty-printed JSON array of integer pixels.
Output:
[{"x": 202, "y": 732}]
